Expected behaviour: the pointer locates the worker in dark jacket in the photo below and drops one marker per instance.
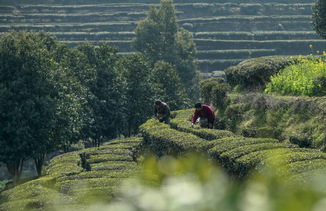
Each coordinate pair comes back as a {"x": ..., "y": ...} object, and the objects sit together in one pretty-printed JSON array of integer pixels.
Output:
[
  {"x": 206, "y": 115},
  {"x": 161, "y": 111}
]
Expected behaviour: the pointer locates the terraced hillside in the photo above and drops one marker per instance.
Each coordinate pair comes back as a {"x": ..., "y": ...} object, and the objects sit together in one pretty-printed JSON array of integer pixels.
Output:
[
  {"x": 225, "y": 33},
  {"x": 76, "y": 179}
]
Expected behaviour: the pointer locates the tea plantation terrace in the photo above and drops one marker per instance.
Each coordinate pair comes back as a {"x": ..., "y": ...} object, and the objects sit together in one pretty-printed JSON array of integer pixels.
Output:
[
  {"x": 78, "y": 178},
  {"x": 225, "y": 33}
]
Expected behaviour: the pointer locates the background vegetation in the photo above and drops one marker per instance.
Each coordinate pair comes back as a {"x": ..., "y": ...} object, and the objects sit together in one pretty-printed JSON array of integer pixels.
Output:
[
  {"x": 87, "y": 94},
  {"x": 271, "y": 147}
]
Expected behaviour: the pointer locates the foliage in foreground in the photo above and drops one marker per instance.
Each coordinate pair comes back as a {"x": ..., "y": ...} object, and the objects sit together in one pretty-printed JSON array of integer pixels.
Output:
[{"x": 192, "y": 183}]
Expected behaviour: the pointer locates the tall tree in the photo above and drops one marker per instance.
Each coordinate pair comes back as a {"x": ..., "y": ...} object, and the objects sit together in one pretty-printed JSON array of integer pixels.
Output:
[
  {"x": 108, "y": 114},
  {"x": 158, "y": 37},
  {"x": 139, "y": 93},
  {"x": 319, "y": 17},
  {"x": 40, "y": 101},
  {"x": 168, "y": 87},
  {"x": 86, "y": 75}
]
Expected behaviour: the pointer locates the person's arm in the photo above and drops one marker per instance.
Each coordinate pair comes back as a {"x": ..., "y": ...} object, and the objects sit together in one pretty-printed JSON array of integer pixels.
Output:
[{"x": 194, "y": 117}]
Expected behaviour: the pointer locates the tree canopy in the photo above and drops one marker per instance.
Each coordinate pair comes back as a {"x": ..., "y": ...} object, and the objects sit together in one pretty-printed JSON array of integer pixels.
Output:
[
  {"x": 159, "y": 38},
  {"x": 319, "y": 17},
  {"x": 41, "y": 102}
]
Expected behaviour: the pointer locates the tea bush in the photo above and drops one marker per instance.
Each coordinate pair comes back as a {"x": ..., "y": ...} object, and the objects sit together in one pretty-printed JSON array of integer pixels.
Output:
[
  {"x": 257, "y": 71},
  {"x": 182, "y": 122},
  {"x": 67, "y": 184},
  {"x": 166, "y": 141}
]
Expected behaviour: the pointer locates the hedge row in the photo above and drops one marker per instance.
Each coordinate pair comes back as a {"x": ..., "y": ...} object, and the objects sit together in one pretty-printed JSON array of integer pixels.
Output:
[
  {"x": 134, "y": 7},
  {"x": 258, "y": 35},
  {"x": 247, "y": 25},
  {"x": 232, "y": 54},
  {"x": 71, "y": 36},
  {"x": 238, "y": 155},
  {"x": 210, "y": 65},
  {"x": 188, "y": 9},
  {"x": 166, "y": 141},
  {"x": 79, "y": 17},
  {"x": 123, "y": 45},
  {"x": 124, "y": 35},
  {"x": 123, "y": 25},
  {"x": 75, "y": 178},
  {"x": 249, "y": 18},
  {"x": 178, "y": 6},
  {"x": 182, "y": 122},
  {"x": 117, "y": 26},
  {"x": 286, "y": 47}
]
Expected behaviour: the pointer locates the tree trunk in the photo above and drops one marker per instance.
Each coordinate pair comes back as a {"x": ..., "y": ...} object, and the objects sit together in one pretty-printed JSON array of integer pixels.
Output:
[
  {"x": 96, "y": 142},
  {"x": 129, "y": 130},
  {"x": 65, "y": 148},
  {"x": 15, "y": 170},
  {"x": 39, "y": 163}
]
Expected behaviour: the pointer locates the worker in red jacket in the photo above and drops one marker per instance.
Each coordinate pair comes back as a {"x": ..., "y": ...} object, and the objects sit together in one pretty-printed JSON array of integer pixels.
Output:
[{"x": 206, "y": 115}]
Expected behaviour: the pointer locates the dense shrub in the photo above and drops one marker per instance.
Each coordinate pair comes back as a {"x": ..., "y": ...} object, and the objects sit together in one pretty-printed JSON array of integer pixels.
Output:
[
  {"x": 305, "y": 78},
  {"x": 214, "y": 92},
  {"x": 256, "y": 72}
]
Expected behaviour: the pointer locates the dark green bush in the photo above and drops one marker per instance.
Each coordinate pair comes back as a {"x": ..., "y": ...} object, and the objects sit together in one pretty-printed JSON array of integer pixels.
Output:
[
  {"x": 257, "y": 71},
  {"x": 303, "y": 140},
  {"x": 319, "y": 88},
  {"x": 234, "y": 115},
  {"x": 261, "y": 132},
  {"x": 209, "y": 87}
]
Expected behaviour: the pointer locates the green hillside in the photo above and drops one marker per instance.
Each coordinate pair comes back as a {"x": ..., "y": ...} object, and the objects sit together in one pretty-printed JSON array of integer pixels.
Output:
[
  {"x": 221, "y": 30},
  {"x": 257, "y": 128},
  {"x": 75, "y": 180}
]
